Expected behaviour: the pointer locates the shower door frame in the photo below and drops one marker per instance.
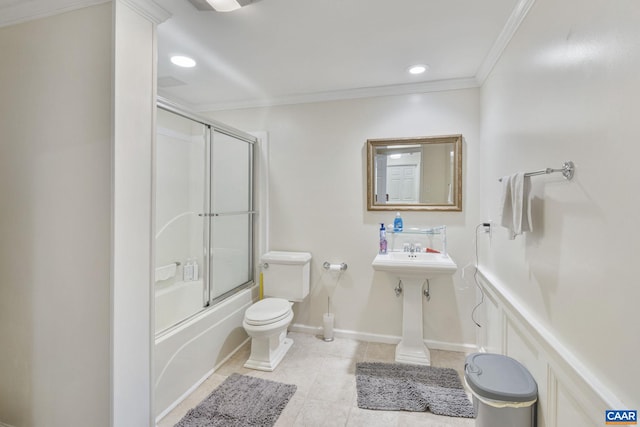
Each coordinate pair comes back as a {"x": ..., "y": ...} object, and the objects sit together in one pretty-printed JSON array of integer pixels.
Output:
[{"x": 212, "y": 126}]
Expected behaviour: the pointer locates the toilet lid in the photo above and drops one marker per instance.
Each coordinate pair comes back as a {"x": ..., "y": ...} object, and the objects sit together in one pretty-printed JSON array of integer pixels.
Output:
[{"x": 268, "y": 310}]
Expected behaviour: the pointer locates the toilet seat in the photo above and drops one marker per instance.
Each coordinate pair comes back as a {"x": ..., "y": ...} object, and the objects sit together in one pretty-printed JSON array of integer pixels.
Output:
[{"x": 267, "y": 311}]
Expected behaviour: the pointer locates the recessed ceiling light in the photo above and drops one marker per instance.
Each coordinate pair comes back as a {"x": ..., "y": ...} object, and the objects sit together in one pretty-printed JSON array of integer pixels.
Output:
[
  {"x": 227, "y": 5},
  {"x": 183, "y": 61},
  {"x": 418, "y": 69}
]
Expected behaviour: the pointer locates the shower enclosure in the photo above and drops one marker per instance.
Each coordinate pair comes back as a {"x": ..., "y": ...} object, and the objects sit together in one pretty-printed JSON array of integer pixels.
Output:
[{"x": 204, "y": 215}]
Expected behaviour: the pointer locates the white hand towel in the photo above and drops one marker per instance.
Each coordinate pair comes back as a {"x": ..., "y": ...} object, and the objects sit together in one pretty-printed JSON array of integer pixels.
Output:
[{"x": 516, "y": 208}]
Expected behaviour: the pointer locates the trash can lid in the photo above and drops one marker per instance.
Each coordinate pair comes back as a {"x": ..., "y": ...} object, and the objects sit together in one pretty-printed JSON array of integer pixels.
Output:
[{"x": 498, "y": 377}]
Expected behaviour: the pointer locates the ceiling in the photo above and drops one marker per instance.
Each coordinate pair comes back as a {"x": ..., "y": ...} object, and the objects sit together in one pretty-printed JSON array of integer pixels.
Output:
[
  {"x": 287, "y": 51},
  {"x": 290, "y": 51}
]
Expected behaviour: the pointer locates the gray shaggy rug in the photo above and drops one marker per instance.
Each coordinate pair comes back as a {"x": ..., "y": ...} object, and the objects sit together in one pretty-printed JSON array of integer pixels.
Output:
[
  {"x": 240, "y": 401},
  {"x": 401, "y": 387}
]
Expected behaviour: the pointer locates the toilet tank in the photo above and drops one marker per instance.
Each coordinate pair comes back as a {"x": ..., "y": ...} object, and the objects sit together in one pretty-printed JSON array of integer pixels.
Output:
[{"x": 286, "y": 275}]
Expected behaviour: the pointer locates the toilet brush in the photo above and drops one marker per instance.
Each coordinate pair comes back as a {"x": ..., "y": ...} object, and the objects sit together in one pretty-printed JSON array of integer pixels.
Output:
[{"x": 327, "y": 322}]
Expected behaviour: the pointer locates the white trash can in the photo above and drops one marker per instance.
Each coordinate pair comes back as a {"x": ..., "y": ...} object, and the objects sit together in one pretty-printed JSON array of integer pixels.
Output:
[{"x": 504, "y": 392}]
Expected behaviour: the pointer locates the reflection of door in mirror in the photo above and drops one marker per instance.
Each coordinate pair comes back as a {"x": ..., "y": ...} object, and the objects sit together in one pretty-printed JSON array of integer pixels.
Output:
[
  {"x": 415, "y": 173},
  {"x": 398, "y": 175},
  {"x": 403, "y": 183}
]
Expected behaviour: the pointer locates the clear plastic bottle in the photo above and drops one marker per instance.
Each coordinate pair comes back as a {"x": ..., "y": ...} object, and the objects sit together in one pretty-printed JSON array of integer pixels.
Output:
[
  {"x": 187, "y": 271},
  {"x": 383, "y": 239},
  {"x": 397, "y": 223},
  {"x": 194, "y": 269}
]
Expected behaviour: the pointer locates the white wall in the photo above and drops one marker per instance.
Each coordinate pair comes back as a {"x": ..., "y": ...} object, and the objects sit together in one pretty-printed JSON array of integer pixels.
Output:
[
  {"x": 76, "y": 127},
  {"x": 132, "y": 332},
  {"x": 55, "y": 165},
  {"x": 566, "y": 89},
  {"x": 317, "y": 204}
]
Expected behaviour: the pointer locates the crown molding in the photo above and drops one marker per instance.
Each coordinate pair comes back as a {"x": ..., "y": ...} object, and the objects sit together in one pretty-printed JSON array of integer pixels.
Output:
[
  {"x": 369, "y": 92},
  {"x": 24, "y": 11},
  {"x": 514, "y": 21},
  {"x": 508, "y": 31},
  {"x": 148, "y": 9},
  {"x": 29, "y": 10}
]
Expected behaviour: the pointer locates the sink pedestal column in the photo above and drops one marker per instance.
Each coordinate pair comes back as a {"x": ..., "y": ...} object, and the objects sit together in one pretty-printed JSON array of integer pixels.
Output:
[{"x": 411, "y": 348}]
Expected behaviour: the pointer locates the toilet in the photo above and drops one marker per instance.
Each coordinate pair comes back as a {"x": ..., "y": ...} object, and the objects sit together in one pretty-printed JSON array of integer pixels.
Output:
[{"x": 285, "y": 280}]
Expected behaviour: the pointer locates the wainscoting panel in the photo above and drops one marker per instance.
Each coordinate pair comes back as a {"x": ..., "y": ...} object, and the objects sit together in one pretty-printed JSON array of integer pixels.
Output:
[
  {"x": 568, "y": 394},
  {"x": 569, "y": 412}
]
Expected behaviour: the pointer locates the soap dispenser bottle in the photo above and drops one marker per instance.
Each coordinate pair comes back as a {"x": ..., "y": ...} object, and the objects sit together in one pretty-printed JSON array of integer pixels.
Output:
[
  {"x": 383, "y": 239},
  {"x": 397, "y": 223}
]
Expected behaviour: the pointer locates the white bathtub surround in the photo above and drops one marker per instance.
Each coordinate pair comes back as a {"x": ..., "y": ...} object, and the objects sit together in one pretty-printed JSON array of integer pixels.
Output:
[
  {"x": 186, "y": 355},
  {"x": 176, "y": 303},
  {"x": 166, "y": 272}
]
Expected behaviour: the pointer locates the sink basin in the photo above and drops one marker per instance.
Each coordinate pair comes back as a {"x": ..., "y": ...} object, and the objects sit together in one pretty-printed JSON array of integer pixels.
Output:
[
  {"x": 413, "y": 270},
  {"x": 418, "y": 265}
]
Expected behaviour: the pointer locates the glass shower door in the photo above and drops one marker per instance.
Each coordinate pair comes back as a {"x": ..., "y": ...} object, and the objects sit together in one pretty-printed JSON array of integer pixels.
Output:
[
  {"x": 181, "y": 225},
  {"x": 231, "y": 214},
  {"x": 204, "y": 215}
]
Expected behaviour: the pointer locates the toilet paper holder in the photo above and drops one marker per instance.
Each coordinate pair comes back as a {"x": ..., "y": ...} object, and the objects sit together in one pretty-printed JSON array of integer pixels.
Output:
[{"x": 334, "y": 267}]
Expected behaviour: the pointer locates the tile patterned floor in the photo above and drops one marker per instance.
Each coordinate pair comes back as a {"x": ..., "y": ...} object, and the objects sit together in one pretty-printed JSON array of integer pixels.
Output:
[{"x": 325, "y": 375}]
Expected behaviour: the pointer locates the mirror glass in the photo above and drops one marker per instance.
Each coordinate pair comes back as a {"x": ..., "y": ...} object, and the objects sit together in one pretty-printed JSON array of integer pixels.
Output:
[{"x": 420, "y": 174}]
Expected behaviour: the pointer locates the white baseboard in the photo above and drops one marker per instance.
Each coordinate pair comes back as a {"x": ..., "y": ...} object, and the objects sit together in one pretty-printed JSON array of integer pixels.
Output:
[
  {"x": 568, "y": 393},
  {"x": 380, "y": 338}
]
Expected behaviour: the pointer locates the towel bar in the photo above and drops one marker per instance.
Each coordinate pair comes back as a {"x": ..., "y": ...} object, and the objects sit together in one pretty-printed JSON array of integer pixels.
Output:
[{"x": 567, "y": 171}]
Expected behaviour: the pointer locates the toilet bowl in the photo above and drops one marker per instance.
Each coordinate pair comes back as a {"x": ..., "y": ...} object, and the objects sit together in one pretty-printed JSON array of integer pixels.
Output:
[
  {"x": 285, "y": 279},
  {"x": 266, "y": 322}
]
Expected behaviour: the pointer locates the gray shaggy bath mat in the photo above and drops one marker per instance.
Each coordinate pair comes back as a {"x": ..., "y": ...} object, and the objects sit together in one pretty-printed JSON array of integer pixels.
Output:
[
  {"x": 240, "y": 401},
  {"x": 401, "y": 387}
]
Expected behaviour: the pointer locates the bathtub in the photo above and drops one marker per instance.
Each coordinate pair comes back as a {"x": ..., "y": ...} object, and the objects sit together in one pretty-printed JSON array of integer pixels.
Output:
[
  {"x": 177, "y": 302},
  {"x": 187, "y": 354}
]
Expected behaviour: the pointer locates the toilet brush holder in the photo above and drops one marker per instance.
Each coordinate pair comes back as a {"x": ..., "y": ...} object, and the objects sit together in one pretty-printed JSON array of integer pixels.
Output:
[{"x": 327, "y": 323}]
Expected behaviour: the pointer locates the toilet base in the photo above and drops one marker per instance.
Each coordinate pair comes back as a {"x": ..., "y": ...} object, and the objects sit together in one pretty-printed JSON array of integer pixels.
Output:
[{"x": 267, "y": 354}]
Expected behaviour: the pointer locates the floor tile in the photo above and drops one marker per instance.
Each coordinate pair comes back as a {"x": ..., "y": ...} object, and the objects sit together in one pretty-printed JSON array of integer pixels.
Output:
[
  {"x": 319, "y": 413},
  {"x": 332, "y": 387},
  {"x": 368, "y": 418},
  {"x": 378, "y": 352},
  {"x": 324, "y": 373}
]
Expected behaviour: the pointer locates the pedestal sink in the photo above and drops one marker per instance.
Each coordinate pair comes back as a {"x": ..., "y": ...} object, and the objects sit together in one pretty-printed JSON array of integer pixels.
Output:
[{"x": 413, "y": 270}]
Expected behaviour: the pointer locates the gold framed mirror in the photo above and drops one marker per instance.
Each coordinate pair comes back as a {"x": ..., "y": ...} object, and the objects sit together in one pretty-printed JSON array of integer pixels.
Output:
[{"x": 415, "y": 174}]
